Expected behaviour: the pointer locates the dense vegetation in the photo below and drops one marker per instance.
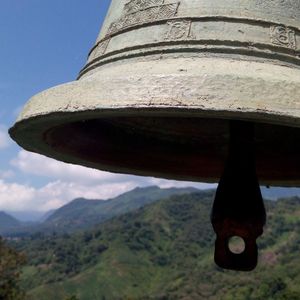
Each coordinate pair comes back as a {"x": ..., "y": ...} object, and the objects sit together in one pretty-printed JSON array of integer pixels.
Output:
[
  {"x": 162, "y": 251},
  {"x": 10, "y": 266}
]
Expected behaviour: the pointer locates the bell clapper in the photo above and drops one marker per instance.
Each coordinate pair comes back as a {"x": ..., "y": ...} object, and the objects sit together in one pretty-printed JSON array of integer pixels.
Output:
[{"x": 238, "y": 210}]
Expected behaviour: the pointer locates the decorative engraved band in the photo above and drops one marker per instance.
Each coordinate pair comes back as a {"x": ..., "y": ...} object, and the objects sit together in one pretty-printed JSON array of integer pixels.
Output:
[
  {"x": 142, "y": 16},
  {"x": 258, "y": 38}
]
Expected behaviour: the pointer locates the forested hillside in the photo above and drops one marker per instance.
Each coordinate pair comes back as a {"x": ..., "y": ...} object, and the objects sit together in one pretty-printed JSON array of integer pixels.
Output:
[{"x": 163, "y": 251}]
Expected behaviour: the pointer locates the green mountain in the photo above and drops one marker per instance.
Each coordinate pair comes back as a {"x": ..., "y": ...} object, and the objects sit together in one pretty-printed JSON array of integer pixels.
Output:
[
  {"x": 163, "y": 251},
  {"x": 274, "y": 193},
  {"x": 82, "y": 213},
  {"x": 8, "y": 222}
]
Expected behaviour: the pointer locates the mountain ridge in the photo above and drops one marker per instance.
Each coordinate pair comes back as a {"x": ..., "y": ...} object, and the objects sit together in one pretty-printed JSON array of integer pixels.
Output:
[
  {"x": 7, "y": 221},
  {"x": 85, "y": 212},
  {"x": 81, "y": 213}
]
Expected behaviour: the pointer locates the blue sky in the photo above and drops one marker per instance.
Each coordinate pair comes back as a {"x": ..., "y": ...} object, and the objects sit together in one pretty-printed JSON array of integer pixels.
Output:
[{"x": 45, "y": 43}]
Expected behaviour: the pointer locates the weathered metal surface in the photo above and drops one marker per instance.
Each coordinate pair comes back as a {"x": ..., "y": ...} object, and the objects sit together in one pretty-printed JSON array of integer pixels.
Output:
[
  {"x": 164, "y": 77},
  {"x": 261, "y": 28}
]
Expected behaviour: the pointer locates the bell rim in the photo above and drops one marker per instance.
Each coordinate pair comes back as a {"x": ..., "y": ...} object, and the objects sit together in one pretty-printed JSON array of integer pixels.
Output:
[
  {"x": 25, "y": 133},
  {"x": 88, "y": 99}
]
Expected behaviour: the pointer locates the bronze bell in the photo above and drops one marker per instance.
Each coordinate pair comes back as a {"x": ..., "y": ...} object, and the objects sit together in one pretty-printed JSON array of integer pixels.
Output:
[{"x": 185, "y": 89}]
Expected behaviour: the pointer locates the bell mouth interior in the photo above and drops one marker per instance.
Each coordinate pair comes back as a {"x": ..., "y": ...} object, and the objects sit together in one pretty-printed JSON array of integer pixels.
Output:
[{"x": 182, "y": 148}]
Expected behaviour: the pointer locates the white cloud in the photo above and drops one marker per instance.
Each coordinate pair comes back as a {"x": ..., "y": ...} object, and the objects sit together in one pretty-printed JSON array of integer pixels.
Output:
[
  {"x": 14, "y": 196},
  {"x": 18, "y": 197},
  {"x": 4, "y": 138},
  {"x": 164, "y": 184},
  {"x": 7, "y": 174},
  {"x": 35, "y": 164}
]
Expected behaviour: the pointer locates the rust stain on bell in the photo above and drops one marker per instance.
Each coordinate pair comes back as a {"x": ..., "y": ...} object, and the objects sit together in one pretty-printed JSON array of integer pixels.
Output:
[{"x": 162, "y": 93}]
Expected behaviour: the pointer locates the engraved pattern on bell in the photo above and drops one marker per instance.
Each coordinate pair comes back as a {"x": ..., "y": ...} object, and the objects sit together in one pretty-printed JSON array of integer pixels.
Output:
[
  {"x": 283, "y": 36},
  {"x": 179, "y": 30},
  {"x": 136, "y": 5},
  {"x": 141, "y": 11}
]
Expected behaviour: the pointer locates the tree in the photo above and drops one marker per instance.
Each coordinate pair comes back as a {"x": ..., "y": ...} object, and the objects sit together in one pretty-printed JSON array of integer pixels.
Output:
[
  {"x": 10, "y": 265},
  {"x": 72, "y": 298}
]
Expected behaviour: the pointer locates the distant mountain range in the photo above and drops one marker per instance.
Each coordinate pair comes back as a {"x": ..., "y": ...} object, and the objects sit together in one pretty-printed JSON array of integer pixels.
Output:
[
  {"x": 82, "y": 213},
  {"x": 275, "y": 193},
  {"x": 29, "y": 216}
]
